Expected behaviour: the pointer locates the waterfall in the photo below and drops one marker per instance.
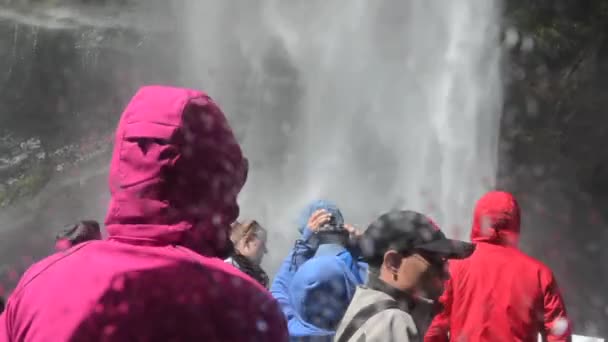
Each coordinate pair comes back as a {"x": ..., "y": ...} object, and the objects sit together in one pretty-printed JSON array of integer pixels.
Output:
[{"x": 375, "y": 105}]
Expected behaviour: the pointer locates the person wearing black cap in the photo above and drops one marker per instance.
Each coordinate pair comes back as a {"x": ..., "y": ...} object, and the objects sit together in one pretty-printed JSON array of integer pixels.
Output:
[{"x": 407, "y": 254}]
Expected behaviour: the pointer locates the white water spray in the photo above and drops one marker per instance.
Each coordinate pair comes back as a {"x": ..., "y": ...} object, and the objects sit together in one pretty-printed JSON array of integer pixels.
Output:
[
  {"x": 375, "y": 105},
  {"x": 146, "y": 16}
]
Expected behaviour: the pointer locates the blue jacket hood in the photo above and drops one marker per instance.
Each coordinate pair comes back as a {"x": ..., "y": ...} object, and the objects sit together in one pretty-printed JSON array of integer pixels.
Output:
[
  {"x": 315, "y": 291},
  {"x": 320, "y": 293},
  {"x": 317, "y": 205}
]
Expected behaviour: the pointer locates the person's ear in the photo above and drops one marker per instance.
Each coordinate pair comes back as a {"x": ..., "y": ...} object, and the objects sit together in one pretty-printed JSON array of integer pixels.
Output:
[{"x": 392, "y": 261}]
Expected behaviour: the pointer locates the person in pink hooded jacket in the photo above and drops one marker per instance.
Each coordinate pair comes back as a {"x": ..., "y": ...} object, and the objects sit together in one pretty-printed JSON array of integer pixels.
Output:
[{"x": 175, "y": 174}]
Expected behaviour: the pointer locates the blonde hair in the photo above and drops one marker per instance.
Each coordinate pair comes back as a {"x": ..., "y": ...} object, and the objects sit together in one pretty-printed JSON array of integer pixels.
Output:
[{"x": 245, "y": 230}]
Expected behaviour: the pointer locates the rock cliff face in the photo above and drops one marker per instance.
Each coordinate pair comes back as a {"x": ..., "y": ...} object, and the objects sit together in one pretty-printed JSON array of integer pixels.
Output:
[
  {"x": 67, "y": 72},
  {"x": 553, "y": 155}
]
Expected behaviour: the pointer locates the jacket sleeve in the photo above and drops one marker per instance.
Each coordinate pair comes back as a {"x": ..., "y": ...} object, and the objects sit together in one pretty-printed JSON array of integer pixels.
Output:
[
  {"x": 440, "y": 326},
  {"x": 5, "y": 322},
  {"x": 277, "y": 327},
  {"x": 3, "y": 331},
  {"x": 300, "y": 253},
  {"x": 556, "y": 325}
]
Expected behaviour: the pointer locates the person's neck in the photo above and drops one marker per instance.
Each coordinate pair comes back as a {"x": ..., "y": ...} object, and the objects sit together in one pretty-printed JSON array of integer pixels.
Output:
[
  {"x": 246, "y": 258},
  {"x": 331, "y": 238},
  {"x": 404, "y": 298}
]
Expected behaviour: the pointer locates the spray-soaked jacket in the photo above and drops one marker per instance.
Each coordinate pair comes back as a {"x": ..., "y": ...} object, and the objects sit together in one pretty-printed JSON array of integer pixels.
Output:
[
  {"x": 499, "y": 293},
  {"x": 315, "y": 284},
  {"x": 175, "y": 173}
]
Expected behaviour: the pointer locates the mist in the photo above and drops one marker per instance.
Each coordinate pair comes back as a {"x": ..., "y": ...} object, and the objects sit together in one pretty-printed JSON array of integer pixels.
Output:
[
  {"x": 391, "y": 104},
  {"x": 374, "y": 105}
]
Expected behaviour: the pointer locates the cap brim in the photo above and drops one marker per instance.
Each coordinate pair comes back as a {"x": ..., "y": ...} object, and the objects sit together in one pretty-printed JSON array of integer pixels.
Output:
[{"x": 450, "y": 249}]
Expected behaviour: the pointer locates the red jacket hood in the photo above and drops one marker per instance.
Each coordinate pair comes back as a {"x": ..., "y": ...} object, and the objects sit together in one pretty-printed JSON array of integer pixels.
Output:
[
  {"x": 496, "y": 219},
  {"x": 176, "y": 171}
]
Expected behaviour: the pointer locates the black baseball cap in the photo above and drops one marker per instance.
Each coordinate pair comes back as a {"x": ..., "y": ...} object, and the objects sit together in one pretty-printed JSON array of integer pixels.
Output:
[{"x": 409, "y": 232}]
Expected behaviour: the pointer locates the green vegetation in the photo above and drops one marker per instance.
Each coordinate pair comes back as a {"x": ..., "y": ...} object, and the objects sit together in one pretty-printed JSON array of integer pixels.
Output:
[
  {"x": 564, "y": 77},
  {"x": 562, "y": 29},
  {"x": 26, "y": 185}
]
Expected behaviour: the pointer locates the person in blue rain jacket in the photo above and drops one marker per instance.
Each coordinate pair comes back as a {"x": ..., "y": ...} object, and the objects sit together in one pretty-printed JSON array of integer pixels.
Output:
[{"x": 319, "y": 276}]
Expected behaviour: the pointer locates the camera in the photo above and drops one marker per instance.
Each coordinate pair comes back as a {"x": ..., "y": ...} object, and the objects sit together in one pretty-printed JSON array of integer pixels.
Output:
[{"x": 332, "y": 226}]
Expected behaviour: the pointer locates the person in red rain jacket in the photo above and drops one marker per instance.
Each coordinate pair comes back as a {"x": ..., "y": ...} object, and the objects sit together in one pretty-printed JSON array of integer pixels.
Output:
[
  {"x": 175, "y": 174},
  {"x": 499, "y": 293}
]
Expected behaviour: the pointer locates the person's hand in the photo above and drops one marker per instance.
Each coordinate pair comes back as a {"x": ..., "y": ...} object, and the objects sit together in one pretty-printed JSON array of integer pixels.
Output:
[
  {"x": 352, "y": 230},
  {"x": 315, "y": 222},
  {"x": 318, "y": 219}
]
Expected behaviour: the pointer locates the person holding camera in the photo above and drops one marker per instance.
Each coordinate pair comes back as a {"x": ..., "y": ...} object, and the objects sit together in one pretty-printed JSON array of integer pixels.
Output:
[{"x": 318, "y": 278}]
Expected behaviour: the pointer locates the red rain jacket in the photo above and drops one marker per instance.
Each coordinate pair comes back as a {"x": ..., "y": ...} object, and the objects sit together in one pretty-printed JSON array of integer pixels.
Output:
[
  {"x": 499, "y": 293},
  {"x": 175, "y": 173}
]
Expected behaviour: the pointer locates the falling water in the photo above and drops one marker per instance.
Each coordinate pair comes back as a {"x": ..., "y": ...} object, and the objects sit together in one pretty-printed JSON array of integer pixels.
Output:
[{"x": 375, "y": 105}]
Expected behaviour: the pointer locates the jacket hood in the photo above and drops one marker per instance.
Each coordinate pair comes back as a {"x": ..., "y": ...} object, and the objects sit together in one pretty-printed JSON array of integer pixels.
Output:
[
  {"x": 320, "y": 293},
  {"x": 175, "y": 173},
  {"x": 496, "y": 219},
  {"x": 329, "y": 206}
]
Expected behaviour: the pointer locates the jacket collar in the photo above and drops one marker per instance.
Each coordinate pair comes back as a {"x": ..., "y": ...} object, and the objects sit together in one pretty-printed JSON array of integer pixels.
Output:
[
  {"x": 329, "y": 249},
  {"x": 405, "y": 300}
]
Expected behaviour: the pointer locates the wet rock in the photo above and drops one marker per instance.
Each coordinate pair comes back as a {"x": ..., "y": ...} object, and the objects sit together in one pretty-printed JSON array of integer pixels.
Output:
[{"x": 68, "y": 70}]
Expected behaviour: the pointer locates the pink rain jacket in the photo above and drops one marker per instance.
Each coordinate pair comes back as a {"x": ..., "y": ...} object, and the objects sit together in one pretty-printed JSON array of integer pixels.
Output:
[{"x": 175, "y": 173}]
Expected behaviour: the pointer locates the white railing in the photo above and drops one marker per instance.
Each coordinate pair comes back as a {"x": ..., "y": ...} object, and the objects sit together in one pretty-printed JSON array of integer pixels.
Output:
[{"x": 580, "y": 338}]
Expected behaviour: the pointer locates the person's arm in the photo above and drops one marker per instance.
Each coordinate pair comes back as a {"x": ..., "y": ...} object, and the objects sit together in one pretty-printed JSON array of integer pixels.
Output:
[
  {"x": 5, "y": 322},
  {"x": 276, "y": 328},
  {"x": 440, "y": 326},
  {"x": 556, "y": 325},
  {"x": 280, "y": 286},
  {"x": 3, "y": 331}
]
